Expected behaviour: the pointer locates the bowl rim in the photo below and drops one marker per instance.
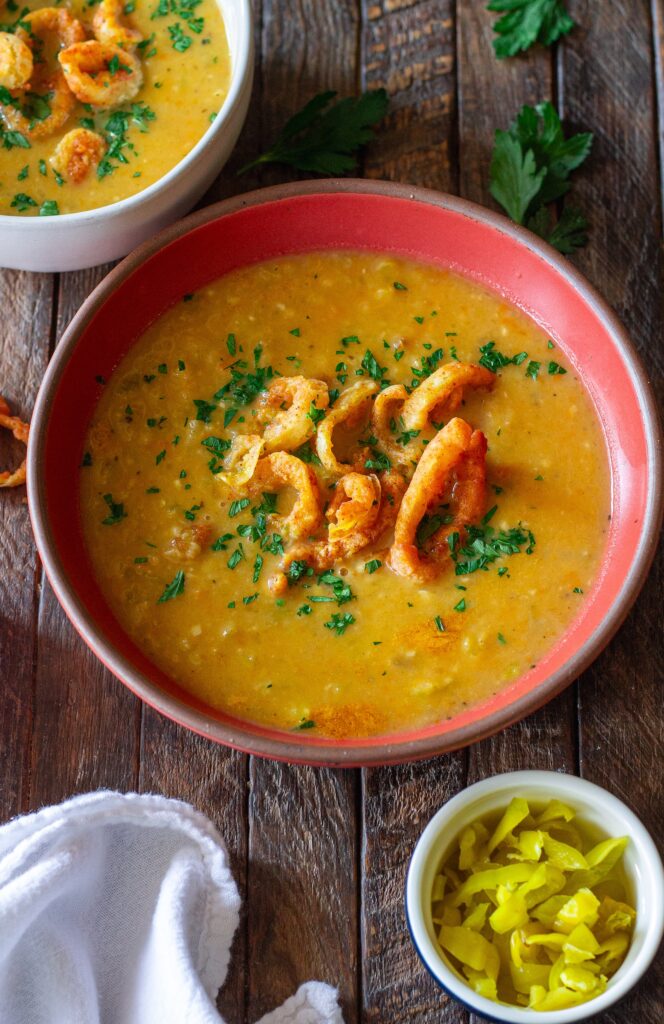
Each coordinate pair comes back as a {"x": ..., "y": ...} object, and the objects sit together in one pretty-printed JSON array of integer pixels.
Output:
[
  {"x": 241, "y": 65},
  {"x": 569, "y": 788},
  {"x": 238, "y": 735}
]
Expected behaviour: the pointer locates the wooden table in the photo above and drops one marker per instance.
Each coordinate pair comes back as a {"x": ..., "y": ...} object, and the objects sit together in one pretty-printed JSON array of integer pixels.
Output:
[{"x": 320, "y": 856}]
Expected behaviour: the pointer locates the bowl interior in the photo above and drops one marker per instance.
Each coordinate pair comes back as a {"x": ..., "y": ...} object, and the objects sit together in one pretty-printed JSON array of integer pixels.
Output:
[
  {"x": 436, "y": 230},
  {"x": 604, "y": 816}
]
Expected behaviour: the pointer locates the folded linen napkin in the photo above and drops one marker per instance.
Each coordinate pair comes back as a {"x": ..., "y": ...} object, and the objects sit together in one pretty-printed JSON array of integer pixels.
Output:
[{"x": 121, "y": 909}]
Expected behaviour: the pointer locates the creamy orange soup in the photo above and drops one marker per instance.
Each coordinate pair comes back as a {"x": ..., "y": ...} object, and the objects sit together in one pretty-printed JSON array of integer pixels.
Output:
[
  {"x": 145, "y": 101},
  {"x": 194, "y": 568}
]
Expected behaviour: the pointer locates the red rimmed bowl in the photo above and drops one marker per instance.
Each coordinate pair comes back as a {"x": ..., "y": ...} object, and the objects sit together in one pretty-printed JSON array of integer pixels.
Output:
[{"x": 416, "y": 224}]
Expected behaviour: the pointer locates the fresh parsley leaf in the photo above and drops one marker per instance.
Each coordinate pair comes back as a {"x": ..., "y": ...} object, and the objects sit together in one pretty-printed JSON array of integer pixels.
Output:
[
  {"x": 530, "y": 168},
  {"x": 174, "y": 588},
  {"x": 324, "y": 137},
  {"x": 525, "y": 22},
  {"x": 372, "y": 566}
]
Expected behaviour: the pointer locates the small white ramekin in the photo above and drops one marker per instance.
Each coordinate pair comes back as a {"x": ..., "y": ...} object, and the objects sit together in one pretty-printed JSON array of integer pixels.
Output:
[
  {"x": 601, "y": 811},
  {"x": 72, "y": 241}
]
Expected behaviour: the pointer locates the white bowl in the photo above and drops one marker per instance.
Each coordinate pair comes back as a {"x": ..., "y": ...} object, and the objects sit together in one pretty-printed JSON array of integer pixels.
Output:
[
  {"x": 72, "y": 241},
  {"x": 601, "y": 811}
]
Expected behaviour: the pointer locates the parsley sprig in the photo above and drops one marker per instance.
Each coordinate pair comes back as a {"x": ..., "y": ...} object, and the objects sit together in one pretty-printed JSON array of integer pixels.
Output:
[
  {"x": 324, "y": 137},
  {"x": 525, "y": 22},
  {"x": 530, "y": 169}
]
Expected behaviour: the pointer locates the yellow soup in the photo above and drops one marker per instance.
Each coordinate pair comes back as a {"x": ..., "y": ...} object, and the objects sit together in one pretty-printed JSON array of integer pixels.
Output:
[
  {"x": 139, "y": 106},
  {"x": 267, "y": 605}
]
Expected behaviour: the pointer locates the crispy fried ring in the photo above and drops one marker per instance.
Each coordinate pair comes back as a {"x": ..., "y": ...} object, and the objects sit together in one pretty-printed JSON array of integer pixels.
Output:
[
  {"x": 280, "y": 470},
  {"x": 100, "y": 73},
  {"x": 241, "y": 461},
  {"x": 46, "y": 79},
  {"x": 354, "y": 507},
  {"x": 468, "y": 494},
  {"x": 367, "y": 509},
  {"x": 21, "y": 431},
  {"x": 442, "y": 388},
  {"x": 384, "y": 411},
  {"x": 348, "y": 409},
  {"x": 433, "y": 477},
  {"x": 109, "y": 27},
  {"x": 77, "y": 154},
  {"x": 16, "y": 62},
  {"x": 291, "y": 426}
]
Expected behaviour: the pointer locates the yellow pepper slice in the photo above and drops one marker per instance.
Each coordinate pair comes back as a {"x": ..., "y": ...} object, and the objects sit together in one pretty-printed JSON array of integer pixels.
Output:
[
  {"x": 563, "y": 856},
  {"x": 513, "y": 816},
  {"x": 511, "y": 874},
  {"x": 466, "y": 946},
  {"x": 555, "y": 810},
  {"x": 581, "y": 908},
  {"x": 523, "y": 978}
]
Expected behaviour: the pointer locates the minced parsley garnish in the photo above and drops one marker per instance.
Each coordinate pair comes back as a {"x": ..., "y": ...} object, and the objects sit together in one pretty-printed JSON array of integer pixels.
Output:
[
  {"x": 399, "y": 287},
  {"x": 116, "y": 511},
  {"x": 306, "y": 724},
  {"x": 372, "y": 566},
  {"x": 237, "y": 506},
  {"x": 461, "y": 606},
  {"x": 554, "y": 368},
  {"x": 494, "y": 360},
  {"x": 340, "y": 623},
  {"x": 484, "y": 545},
  {"x": 501, "y": 639},
  {"x": 174, "y": 588},
  {"x": 221, "y": 543},
  {"x": 533, "y": 369},
  {"x": 315, "y": 415},
  {"x": 236, "y": 557},
  {"x": 440, "y": 625}
]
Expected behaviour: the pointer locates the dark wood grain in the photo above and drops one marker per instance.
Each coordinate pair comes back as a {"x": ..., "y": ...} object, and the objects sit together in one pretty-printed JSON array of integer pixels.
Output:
[
  {"x": 608, "y": 85},
  {"x": 408, "y": 48},
  {"x": 25, "y": 326},
  {"x": 398, "y": 803},
  {"x": 302, "y": 880}
]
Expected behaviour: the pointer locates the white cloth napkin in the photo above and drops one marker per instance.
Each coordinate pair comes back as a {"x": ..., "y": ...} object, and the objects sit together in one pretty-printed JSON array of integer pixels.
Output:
[{"x": 121, "y": 909}]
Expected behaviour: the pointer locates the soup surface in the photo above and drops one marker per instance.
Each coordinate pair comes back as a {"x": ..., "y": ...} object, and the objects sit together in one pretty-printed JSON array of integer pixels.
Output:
[
  {"x": 306, "y": 607},
  {"x": 150, "y": 79}
]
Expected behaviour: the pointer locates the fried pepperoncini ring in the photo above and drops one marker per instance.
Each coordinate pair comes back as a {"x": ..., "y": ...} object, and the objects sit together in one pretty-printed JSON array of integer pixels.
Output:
[
  {"x": 366, "y": 505},
  {"x": 77, "y": 154},
  {"x": 280, "y": 470},
  {"x": 444, "y": 388},
  {"x": 21, "y": 431},
  {"x": 109, "y": 26},
  {"x": 16, "y": 61},
  {"x": 100, "y": 73},
  {"x": 241, "y": 461},
  {"x": 349, "y": 408},
  {"x": 433, "y": 478},
  {"x": 385, "y": 409},
  {"x": 290, "y": 400},
  {"x": 46, "y": 81}
]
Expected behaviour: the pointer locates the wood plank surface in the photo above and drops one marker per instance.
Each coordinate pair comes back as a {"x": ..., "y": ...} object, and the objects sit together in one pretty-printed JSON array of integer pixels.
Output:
[
  {"x": 25, "y": 330},
  {"x": 320, "y": 856},
  {"x": 608, "y": 84}
]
